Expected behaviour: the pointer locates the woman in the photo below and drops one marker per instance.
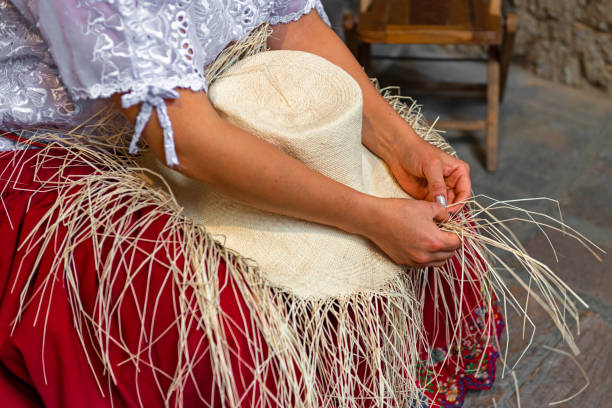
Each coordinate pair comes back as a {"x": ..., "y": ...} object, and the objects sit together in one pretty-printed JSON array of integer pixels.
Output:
[{"x": 148, "y": 57}]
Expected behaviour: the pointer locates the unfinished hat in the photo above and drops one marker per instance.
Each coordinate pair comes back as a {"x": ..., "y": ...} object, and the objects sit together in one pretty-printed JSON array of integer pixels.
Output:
[{"x": 312, "y": 110}]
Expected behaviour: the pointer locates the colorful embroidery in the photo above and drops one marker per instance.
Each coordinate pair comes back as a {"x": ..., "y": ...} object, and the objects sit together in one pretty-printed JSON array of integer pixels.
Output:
[{"x": 446, "y": 374}]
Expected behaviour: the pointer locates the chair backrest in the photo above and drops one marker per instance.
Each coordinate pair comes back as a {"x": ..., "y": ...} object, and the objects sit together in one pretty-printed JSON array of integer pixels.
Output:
[{"x": 494, "y": 6}]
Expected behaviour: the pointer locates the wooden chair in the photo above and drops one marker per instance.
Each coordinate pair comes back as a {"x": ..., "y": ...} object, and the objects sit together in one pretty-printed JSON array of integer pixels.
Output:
[{"x": 472, "y": 22}]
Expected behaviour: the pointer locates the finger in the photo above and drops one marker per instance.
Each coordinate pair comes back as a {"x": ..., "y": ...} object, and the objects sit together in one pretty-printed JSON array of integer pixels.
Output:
[
  {"x": 450, "y": 196},
  {"x": 463, "y": 184},
  {"x": 437, "y": 259},
  {"x": 442, "y": 256},
  {"x": 442, "y": 241},
  {"x": 452, "y": 178},
  {"x": 458, "y": 196},
  {"x": 447, "y": 242},
  {"x": 438, "y": 212},
  {"x": 463, "y": 188},
  {"x": 434, "y": 173}
]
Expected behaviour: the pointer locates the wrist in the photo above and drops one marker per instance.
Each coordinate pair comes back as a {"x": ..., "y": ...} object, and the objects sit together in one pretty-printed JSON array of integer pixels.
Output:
[
  {"x": 363, "y": 217},
  {"x": 389, "y": 136}
]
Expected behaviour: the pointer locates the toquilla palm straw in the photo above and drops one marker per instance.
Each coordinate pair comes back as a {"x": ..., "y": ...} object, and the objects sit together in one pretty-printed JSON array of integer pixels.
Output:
[{"x": 311, "y": 343}]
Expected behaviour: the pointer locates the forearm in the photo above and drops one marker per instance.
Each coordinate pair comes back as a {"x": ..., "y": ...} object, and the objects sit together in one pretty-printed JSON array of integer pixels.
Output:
[
  {"x": 239, "y": 165},
  {"x": 383, "y": 129}
]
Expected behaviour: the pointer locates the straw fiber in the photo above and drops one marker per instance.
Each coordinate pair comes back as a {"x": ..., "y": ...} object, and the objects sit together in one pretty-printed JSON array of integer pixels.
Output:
[{"x": 337, "y": 350}]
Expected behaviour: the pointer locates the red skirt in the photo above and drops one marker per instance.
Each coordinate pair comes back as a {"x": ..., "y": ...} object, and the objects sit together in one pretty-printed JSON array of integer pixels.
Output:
[{"x": 44, "y": 362}]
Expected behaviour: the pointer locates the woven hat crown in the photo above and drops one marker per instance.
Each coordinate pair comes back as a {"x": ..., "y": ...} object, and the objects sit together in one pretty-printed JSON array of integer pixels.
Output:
[{"x": 312, "y": 110}]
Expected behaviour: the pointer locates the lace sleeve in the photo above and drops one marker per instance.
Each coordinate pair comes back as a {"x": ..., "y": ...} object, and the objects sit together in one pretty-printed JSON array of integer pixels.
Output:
[
  {"x": 142, "y": 49},
  {"x": 291, "y": 10}
]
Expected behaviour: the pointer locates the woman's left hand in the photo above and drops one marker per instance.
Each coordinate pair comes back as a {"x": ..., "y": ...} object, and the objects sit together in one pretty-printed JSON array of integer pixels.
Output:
[
  {"x": 425, "y": 172},
  {"x": 422, "y": 170}
]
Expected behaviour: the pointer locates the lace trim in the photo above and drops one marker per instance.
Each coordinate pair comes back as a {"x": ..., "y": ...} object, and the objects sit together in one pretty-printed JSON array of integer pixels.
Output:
[
  {"x": 152, "y": 96},
  {"x": 295, "y": 16},
  {"x": 195, "y": 82}
]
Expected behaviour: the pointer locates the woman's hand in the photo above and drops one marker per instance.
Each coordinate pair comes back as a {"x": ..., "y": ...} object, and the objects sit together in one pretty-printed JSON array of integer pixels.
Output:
[
  {"x": 426, "y": 172},
  {"x": 406, "y": 231},
  {"x": 422, "y": 170}
]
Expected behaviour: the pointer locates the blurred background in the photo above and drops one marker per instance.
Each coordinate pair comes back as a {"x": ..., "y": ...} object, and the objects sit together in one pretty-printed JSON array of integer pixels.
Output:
[{"x": 555, "y": 141}]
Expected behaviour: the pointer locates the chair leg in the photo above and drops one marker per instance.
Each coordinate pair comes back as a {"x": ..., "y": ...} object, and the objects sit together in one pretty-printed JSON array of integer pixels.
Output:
[
  {"x": 510, "y": 26},
  {"x": 363, "y": 56},
  {"x": 351, "y": 37},
  {"x": 360, "y": 50},
  {"x": 493, "y": 91}
]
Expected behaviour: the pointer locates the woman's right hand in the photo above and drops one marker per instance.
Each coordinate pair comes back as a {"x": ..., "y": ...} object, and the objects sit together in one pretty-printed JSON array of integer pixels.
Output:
[{"x": 406, "y": 231}]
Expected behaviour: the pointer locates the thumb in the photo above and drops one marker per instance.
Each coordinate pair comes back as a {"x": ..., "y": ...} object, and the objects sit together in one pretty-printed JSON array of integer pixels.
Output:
[
  {"x": 438, "y": 212},
  {"x": 434, "y": 173}
]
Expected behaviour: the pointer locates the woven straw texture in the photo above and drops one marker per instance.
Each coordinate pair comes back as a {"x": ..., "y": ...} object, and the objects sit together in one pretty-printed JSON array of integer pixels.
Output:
[{"x": 312, "y": 110}]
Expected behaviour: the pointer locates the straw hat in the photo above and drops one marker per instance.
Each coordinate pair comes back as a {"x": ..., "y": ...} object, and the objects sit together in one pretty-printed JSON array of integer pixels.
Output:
[{"x": 312, "y": 110}]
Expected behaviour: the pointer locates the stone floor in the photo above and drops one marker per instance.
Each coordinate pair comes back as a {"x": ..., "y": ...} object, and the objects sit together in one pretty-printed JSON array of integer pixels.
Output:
[{"x": 555, "y": 142}]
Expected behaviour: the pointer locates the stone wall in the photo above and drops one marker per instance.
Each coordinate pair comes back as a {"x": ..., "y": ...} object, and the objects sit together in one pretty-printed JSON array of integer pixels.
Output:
[{"x": 567, "y": 41}]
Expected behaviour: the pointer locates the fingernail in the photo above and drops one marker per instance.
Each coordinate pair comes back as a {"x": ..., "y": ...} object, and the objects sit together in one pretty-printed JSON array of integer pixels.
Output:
[{"x": 442, "y": 200}]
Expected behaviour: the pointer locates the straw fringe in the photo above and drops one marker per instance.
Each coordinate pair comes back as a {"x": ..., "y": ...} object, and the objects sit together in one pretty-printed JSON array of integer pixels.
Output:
[
  {"x": 312, "y": 344},
  {"x": 489, "y": 235}
]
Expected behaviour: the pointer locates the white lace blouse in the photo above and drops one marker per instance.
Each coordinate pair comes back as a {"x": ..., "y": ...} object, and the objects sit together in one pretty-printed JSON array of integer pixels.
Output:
[{"x": 61, "y": 59}]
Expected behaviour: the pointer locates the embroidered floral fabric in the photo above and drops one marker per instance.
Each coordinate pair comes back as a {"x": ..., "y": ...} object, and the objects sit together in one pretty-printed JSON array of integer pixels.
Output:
[
  {"x": 448, "y": 373},
  {"x": 31, "y": 93},
  {"x": 146, "y": 48}
]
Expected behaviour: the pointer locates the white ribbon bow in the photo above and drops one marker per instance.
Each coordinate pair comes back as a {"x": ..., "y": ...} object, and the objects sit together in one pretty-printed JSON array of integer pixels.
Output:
[{"x": 151, "y": 97}]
